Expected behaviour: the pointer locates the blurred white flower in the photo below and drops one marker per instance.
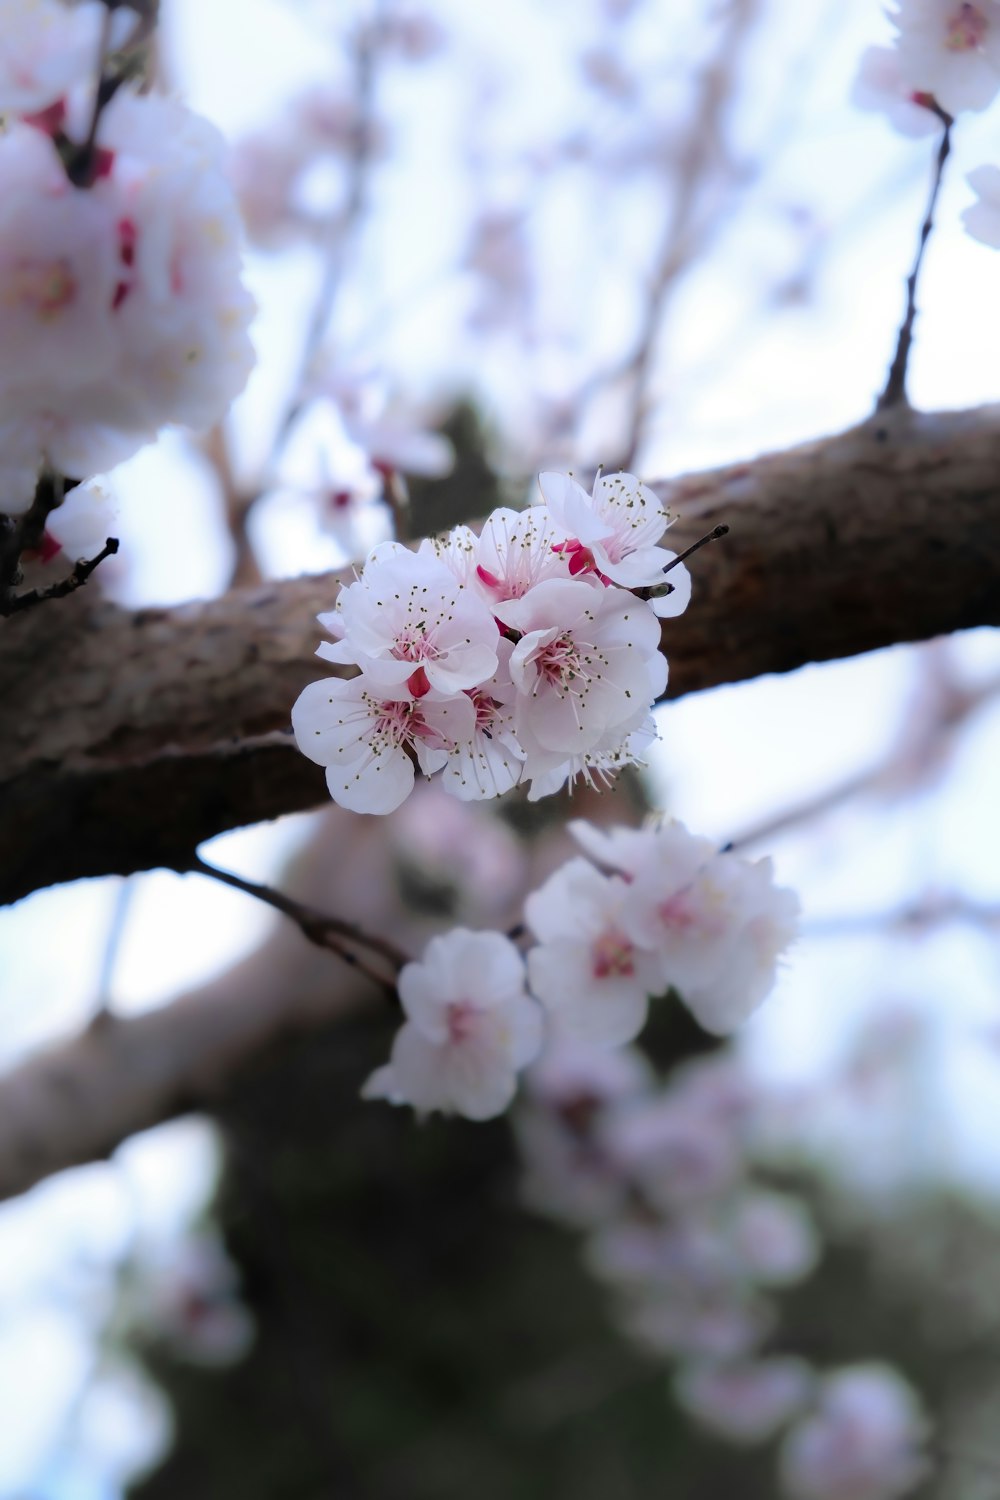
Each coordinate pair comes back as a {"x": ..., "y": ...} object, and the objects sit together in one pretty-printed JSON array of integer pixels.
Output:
[{"x": 470, "y": 1028}]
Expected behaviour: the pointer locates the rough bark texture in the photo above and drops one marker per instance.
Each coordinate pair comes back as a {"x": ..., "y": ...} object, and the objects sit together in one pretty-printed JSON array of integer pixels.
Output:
[{"x": 128, "y": 737}]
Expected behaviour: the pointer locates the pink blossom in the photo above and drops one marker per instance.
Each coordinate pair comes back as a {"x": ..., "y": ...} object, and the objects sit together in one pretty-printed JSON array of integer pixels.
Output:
[
  {"x": 744, "y": 1403},
  {"x": 590, "y": 976},
  {"x": 863, "y": 1442},
  {"x": 469, "y": 1031},
  {"x": 950, "y": 49},
  {"x": 408, "y": 620},
  {"x": 613, "y": 534},
  {"x": 365, "y": 738},
  {"x": 587, "y": 661}
]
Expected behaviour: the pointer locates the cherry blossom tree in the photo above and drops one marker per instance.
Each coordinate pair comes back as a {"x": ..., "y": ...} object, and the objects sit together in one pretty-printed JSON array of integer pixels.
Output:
[{"x": 454, "y": 496}]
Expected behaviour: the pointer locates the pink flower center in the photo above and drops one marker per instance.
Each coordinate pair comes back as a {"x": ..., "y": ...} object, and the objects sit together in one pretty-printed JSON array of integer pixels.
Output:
[
  {"x": 412, "y": 644},
  {"x": 966, "y": 29},
  {"x": 487, "y": 710},
  {"x": 558, "y": 663},
  {"x": 678, "y": 912},
  {"x": 612, "y": 954},
  {"x": 460, "y": 1021},
  {"x": 401, "y": 723}
]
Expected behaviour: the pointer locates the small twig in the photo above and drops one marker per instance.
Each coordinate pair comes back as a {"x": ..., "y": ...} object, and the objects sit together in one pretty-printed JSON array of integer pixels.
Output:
[
  {"x": 932, "y": 911},
  {"x": 325, "y": 931},
  {"x": 79, "y": 576},
  {"x": 715, "y": 535},
  {"x": 659, "y": 590},
  {"x": 80, "y": 158},
  {"x": 895, "y": 386}
]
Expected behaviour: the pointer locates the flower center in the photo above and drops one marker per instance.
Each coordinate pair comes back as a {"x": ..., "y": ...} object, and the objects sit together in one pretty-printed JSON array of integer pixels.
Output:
[
  {"x": 412, "y": 644},
  {"x": 612, "y": 955},
  {"x": 558, "y": 663},
  {"x": 678, "y": 912},
  {"x": 460, "y": 1021},
  {"x": 966, "y": 29}
]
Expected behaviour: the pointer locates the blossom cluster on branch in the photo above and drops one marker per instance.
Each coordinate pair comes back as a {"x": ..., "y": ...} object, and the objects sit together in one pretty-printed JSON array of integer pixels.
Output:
[
  {"x": 673, "y": 914},
  {"x": 519, "y": 656},
  {"x": 123, "y": 307}
]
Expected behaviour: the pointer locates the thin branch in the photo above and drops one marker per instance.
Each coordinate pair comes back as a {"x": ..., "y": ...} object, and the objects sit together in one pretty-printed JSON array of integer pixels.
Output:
[
  {"x": 333, "y": 933},
  {"x": 934, "y": 910},
  {"x": 81, "y": 573},
  {"x": 895, "y": 386},
  {"x": 679, "y": 244}
]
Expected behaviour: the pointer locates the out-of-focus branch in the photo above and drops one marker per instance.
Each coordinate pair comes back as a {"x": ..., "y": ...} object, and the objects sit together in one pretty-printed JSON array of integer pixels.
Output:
[
  {"x": 916, "y": 754},
  {"x": 334, "y": 934},
  {"x": 684, "y": 237},
  {"x": 127, "y": 738}
]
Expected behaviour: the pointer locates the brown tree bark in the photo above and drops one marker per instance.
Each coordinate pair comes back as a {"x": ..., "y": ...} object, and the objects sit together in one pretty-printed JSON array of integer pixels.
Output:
[{"x": 129, "y": 737}]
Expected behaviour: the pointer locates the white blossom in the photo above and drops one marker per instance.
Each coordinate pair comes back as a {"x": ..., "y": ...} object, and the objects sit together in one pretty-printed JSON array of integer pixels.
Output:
[
  {"x": 490, "y": 761},
  {"x": 862, "y": 1443},
  {"x": 880, "y": 86},
  {"x": 590, "y": 976},
  {"x": 587, "y": 663},
  {"x": 408, "y": 620},
  {"x": 366, "y": 738},
  {"x": 982, "y": 219},
  {"x": 123, "y": 308},
  {"x": 951, "y": 50},
  {"x": 613, "y": 533},
  {"x": 48, "y": 47},
  {"x": 470, "y": 1028}
]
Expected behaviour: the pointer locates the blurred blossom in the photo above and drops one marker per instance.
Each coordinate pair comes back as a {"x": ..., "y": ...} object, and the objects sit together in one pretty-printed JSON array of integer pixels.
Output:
[
  {"x": 775, "y": 1235},
  {"x": 462, "y": 849},
  {"x": 880, "y": 87},
  {"x": 863, "y": 1442},
  {"x": 187, "y": 1297},
  {"x": 744, "y": 1403}
]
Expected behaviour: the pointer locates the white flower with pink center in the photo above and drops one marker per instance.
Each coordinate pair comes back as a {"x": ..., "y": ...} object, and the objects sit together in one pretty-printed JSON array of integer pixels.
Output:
[
  {"x": 515, "y": 551},
  {"x": 879, "y": 86},
  {"x": 863, "y": 1442},
  {"x": 717, "y": 923},
  {"x": 121, "y": 306},
  {"x": 470, "y": 1028},
  {"x": 588, "y": 659},
  {"x": 407, "y": 621},
  {"x": 613, "y": 533},
  {"x": 491, "y": 761},
  {"x": 951, "y": 50},
  {"x": 368, "y": 738},
  {"x": 588, "y": 973}
]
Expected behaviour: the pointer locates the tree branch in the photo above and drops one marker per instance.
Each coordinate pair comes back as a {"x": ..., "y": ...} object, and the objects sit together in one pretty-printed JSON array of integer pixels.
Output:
[{"x": 127, "y": 738}]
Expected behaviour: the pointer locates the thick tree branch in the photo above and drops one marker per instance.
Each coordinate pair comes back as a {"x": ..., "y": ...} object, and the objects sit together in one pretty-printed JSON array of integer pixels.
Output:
[{"x": 126, "y": 738}]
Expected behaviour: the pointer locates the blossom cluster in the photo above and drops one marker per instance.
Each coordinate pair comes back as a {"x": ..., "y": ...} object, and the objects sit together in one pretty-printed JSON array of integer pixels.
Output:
[
  {"x": 673, "y": 914},
  {"x": 123, "y": 308},
  {"x": 692, "y": 1247},
  {"x": 519, "y": 656},
  {"x": 945, "y": 60}
]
